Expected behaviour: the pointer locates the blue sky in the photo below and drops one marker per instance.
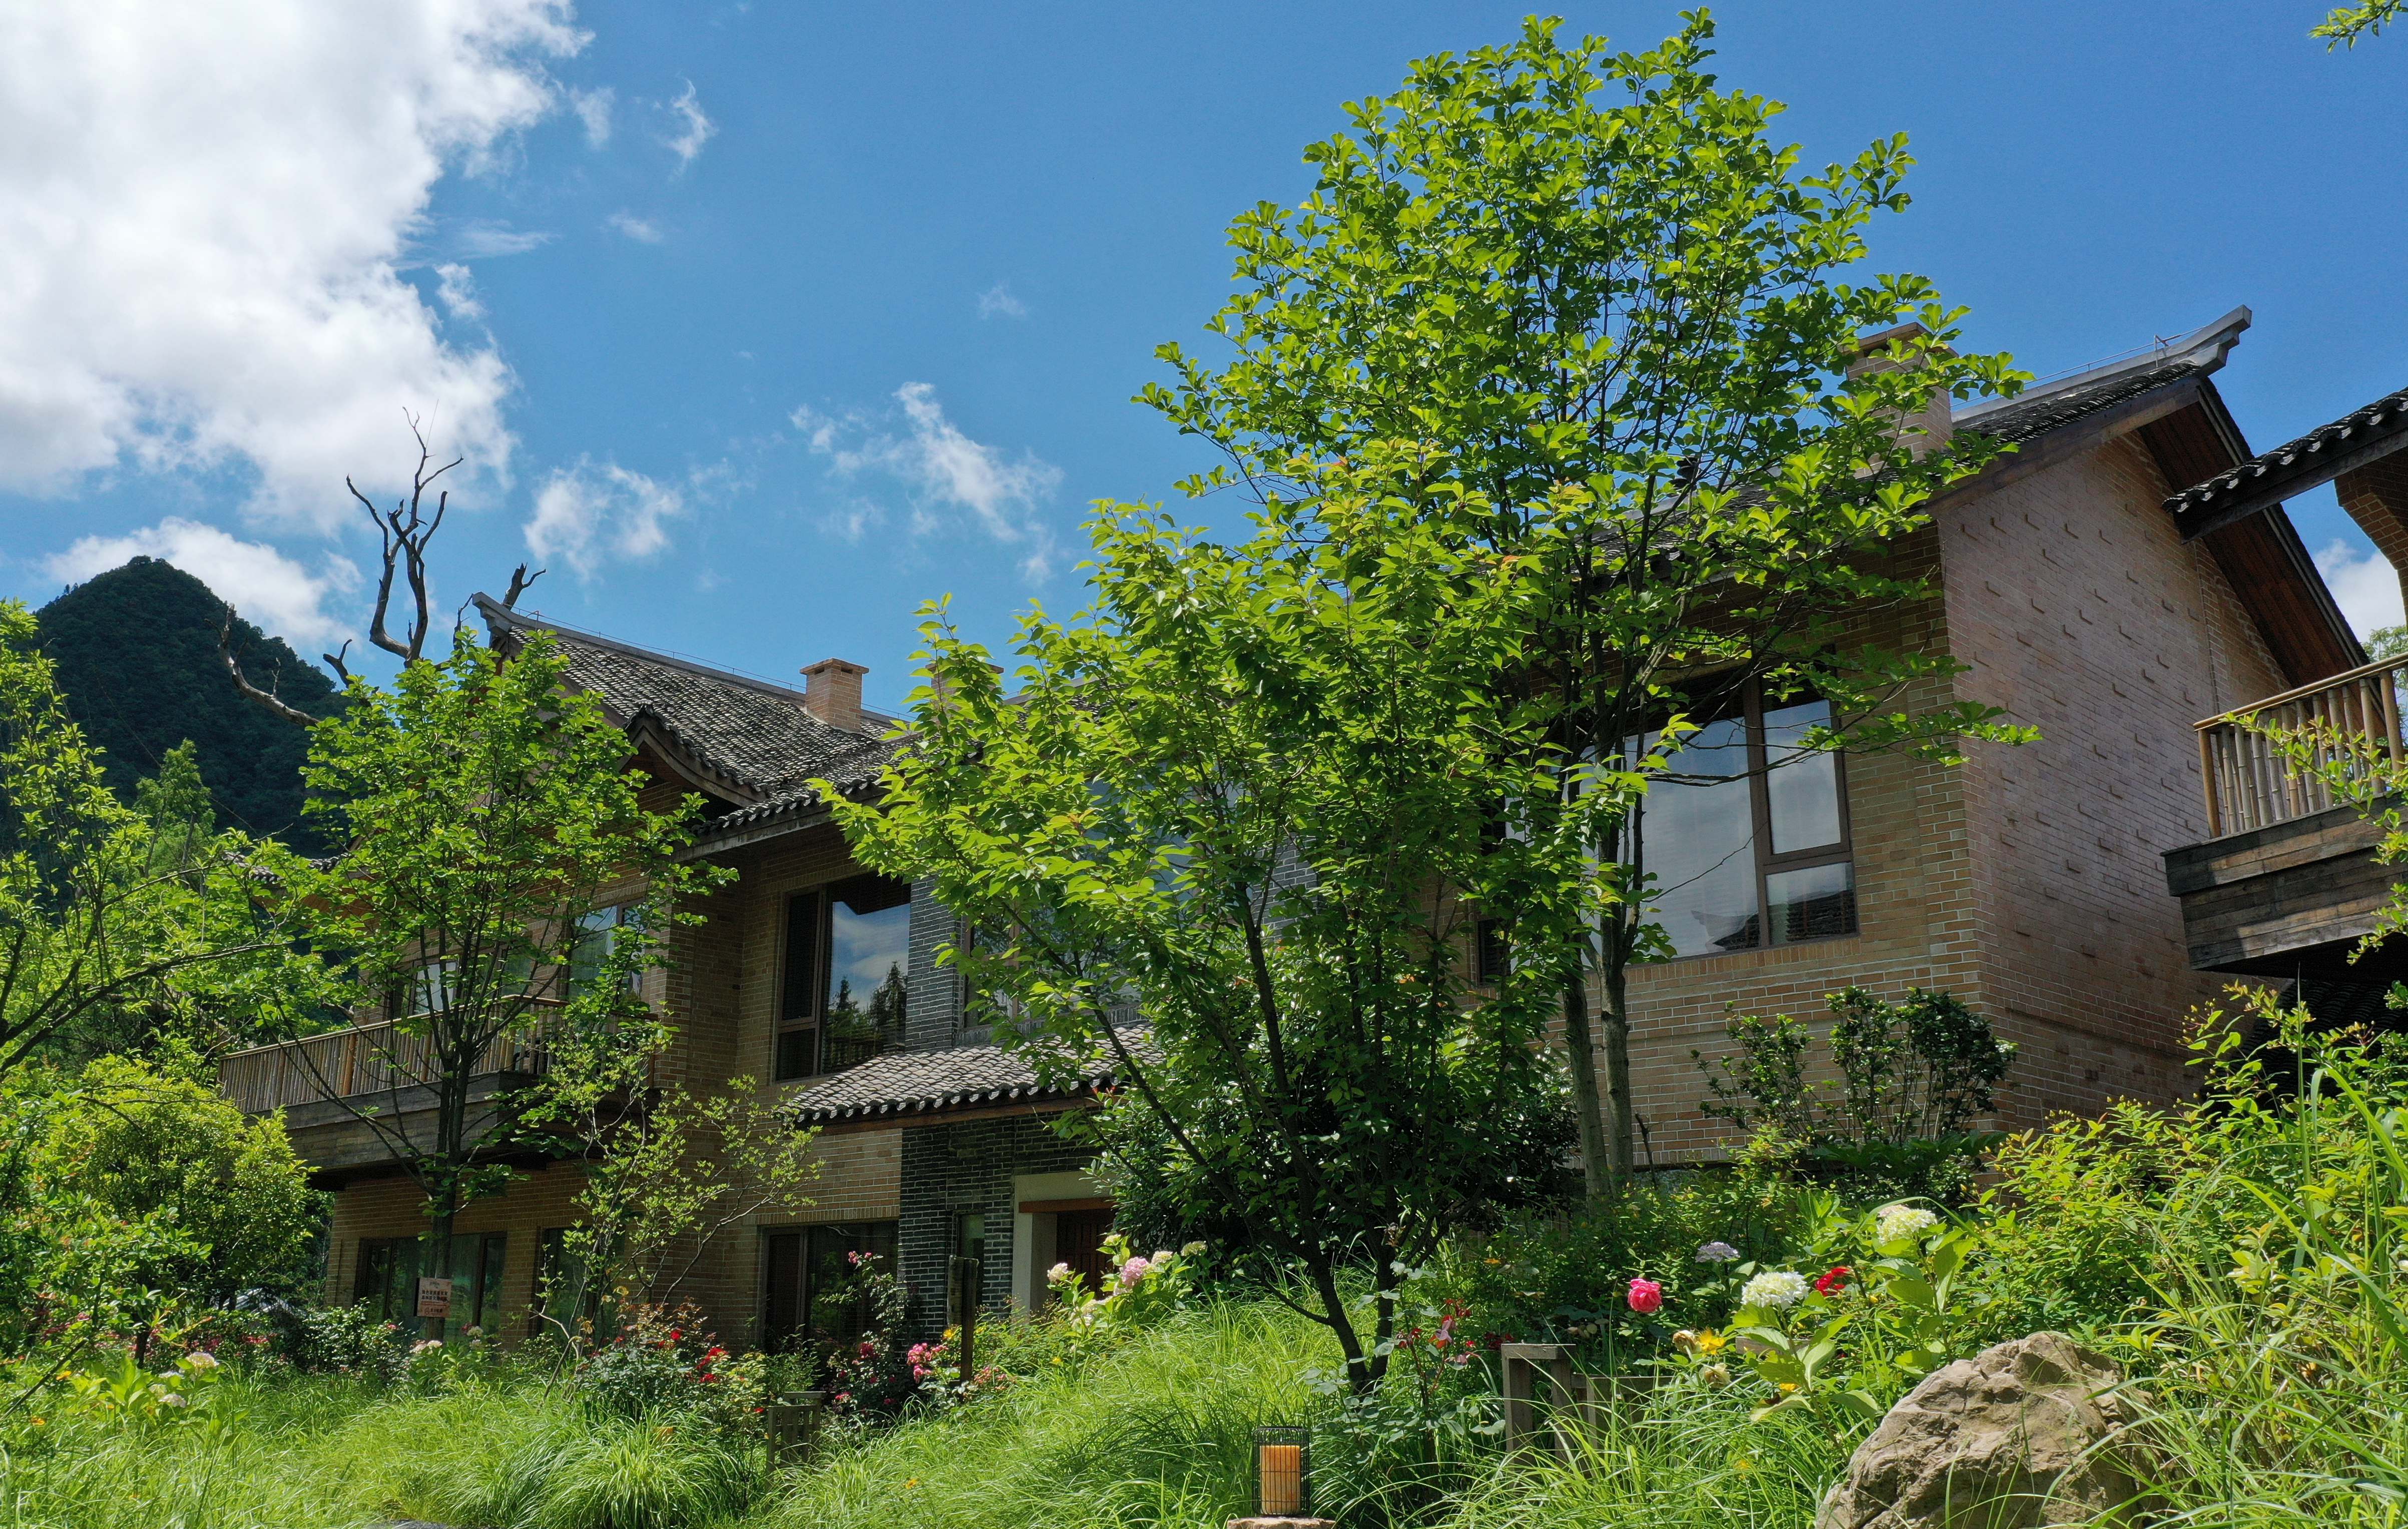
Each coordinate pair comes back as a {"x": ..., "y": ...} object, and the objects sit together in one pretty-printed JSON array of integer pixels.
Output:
[{"x": 768, "y": 321}]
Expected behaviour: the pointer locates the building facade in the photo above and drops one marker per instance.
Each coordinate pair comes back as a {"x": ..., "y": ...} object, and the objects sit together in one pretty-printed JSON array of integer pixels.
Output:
[{"x": 2026, "y": 881}]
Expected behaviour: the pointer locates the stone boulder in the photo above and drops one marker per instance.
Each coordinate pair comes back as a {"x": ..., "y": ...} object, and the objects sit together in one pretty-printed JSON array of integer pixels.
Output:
[{"x": 2019, "y": 1436}]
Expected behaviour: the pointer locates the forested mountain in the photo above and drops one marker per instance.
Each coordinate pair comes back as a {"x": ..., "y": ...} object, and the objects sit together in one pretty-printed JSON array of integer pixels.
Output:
[{"x": 136, "y": 649}]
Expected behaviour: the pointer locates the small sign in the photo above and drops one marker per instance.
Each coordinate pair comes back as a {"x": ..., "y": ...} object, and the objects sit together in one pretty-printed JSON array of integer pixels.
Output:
[{"x": 435, "y": 1298}]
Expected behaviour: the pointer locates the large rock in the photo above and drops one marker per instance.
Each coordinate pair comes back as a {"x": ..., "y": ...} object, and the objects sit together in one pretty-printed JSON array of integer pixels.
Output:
[{"x": 2022, "y": 1434}]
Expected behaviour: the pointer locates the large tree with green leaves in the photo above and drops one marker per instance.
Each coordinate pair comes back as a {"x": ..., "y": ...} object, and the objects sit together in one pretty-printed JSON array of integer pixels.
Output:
[
  {"x": 1259, "y": 794},
  {"x": 500, "y": 881},
  {"x": 1601, "y": 287},
  {"x": 106, "y": 912}
]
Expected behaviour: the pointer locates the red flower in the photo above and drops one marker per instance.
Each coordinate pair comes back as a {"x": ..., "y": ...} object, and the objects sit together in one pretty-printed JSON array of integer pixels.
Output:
[
  {"x": 1646, "y": 1297},
  {"x": 1835, "y": 1281}
]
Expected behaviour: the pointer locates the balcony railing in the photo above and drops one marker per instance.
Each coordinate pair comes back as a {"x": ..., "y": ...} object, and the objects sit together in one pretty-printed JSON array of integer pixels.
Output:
[
  {"x": 2351, "y": 720},
  {"x": 366, "y": 1059}
]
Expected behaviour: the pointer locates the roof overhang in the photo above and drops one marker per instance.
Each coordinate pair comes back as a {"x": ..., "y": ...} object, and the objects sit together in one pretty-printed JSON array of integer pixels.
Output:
[{"x": 2262, "y": 482}]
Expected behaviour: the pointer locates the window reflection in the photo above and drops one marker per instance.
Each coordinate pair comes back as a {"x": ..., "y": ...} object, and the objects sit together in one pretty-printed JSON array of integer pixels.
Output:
[
  {"x": 1801, "y": 786},
  {"x": 1815, "y": 903},
  {"x": 870, "y": 947},
  {"x": 1700, "y": 843}
]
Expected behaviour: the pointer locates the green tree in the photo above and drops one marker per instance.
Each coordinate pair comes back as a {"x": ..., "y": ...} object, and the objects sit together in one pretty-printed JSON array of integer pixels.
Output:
[
  {"x": 2366, "y": 18},
  {"x": 501, "y": 882},
  {"x": 1259, "y": 794},
  {"x": 1597, "y": 282},
  {"x": 103, "y": 912}
]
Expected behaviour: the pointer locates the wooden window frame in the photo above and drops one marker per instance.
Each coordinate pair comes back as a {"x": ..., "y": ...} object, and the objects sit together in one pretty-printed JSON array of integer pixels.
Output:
[{"x": 802, "y": 1005}]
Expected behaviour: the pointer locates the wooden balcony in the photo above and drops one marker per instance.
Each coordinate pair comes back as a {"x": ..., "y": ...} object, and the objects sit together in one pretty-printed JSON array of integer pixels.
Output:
[
  {"x": 323, "y": 1083},
  {"x": 2287, "y": 883}
]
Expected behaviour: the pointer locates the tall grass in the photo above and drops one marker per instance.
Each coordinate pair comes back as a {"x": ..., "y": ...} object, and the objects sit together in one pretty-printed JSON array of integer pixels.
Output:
[{"x": 1158, "y": 1434}]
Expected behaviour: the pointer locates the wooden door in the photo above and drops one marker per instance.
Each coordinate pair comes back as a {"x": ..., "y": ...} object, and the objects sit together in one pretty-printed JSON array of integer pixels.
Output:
[{"x": 1079, "y": 1241}]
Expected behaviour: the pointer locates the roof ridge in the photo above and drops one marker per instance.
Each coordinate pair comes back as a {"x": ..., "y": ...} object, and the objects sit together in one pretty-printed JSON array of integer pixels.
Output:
[
  {"x": 2202, "y": 350},
  {"x": 496, "y": 613}
]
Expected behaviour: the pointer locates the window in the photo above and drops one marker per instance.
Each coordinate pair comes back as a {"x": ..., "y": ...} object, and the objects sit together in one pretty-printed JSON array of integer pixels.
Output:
[
  {"x": 1491, "y": 955},
  {"x": 563, "y": 1295},
  {"x": 598, "y": 935},
  {"x": 807, "y": 1275},
  {"x": 841, "y": 1000},
  {"x": 1751, "y": 848},
  {"x": 429, "y": 989},
  {"x": 386, "y": 1280}
]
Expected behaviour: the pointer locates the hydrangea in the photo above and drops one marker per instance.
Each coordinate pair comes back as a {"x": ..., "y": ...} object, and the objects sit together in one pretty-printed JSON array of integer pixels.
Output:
[
  {"x": 1162, "y": 1258},
  {"x": 1717, "y": 1252},
  {"x": 1777, "y": 1288},
  {"x": 1898, "y": 1223},
  {"x": 201, "y": 1358},
  {"x": 1059, "y": 1273},
  {"x": 1135, "y": 1270}
]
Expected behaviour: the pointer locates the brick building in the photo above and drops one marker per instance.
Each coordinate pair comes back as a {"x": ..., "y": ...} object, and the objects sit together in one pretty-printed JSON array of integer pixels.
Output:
[{"x": 2027, "y": 881}]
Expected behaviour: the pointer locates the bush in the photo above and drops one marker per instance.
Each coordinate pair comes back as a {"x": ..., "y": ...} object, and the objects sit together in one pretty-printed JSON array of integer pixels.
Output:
[
  {"x": 668, "y": 1472},
  {"x": 335, "y": 1338}
]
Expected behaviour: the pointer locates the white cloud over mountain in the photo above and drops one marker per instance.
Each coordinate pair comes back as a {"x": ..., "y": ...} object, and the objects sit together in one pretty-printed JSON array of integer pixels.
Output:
[
  {"x": 272, "y": 591},
  {"x": 204, "y": 212}
]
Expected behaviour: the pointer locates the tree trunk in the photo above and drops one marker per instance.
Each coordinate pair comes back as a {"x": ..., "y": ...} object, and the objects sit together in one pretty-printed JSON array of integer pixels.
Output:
[
  {"x": 438, "y": 1261},
  {"x": 1579, "y": 1050},
  {"x": 1617, "y": 1055},
  {"x": 1362, "y": 1371}
]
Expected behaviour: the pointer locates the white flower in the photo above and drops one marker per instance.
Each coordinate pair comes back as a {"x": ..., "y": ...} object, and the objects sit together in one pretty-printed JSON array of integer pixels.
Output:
[
  {"x": 171, "y": 1399},
  {"x": 1198, "y": 1247},
  {"x": 1898, "y": 1223},
  {"x": 200, "y": 1359},
  {"x": 1059, "y": 1273},
  {"x": 1777, "y": 1288},
  {"x": 1164, "y": 1257}
]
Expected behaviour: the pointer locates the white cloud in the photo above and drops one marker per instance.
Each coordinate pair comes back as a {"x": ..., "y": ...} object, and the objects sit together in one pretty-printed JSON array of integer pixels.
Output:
[
  {"x": 687, "y": 142},
  {"x": 942, "y": 471},
  {"x": 997, "y": 301},
  {"x": 589, "y": 514},
  {"x": 2365, "y": 586},
  {"x": 483, "y": 239},
  {"x": 641, "y": 230},
  {"x": 270, "y": 590},
  {"x": 455, "y": 288},
  {"x": 203, "y": 213},
  {"x": 593, "y": 108}
]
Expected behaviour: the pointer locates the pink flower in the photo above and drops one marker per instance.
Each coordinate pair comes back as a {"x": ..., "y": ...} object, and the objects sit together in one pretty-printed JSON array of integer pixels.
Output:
[
  {"x": 1135, "y": 1270},
  {"x": 1646, "y": 1297}
]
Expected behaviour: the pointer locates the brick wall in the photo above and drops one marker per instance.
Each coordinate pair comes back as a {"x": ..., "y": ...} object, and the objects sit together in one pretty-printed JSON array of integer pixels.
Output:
[
  {"x": 395, "y": 1207},
  {"x": 968, "y": 1166}
]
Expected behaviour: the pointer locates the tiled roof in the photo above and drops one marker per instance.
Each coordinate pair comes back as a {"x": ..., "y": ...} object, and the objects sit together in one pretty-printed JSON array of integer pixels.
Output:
[
  {"x": 2058, "y": 401},
  {"x": 903, "y": 1083},
  {"x": 755, "y": 733},
  {"x": 2314, "y": 458}
]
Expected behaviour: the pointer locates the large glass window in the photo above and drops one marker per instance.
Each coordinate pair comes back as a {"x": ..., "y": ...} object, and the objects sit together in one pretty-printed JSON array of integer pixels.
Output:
[
  {"x": 1747, "y": 843},
  {"x": 386, "y": 1280},
  {"x": 843, "y": 997},
  {"x": 809, "y": 1282}
]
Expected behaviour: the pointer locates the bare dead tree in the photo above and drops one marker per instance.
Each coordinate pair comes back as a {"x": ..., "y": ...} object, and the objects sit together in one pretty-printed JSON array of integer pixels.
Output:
[{"x": 403, "y": 534}]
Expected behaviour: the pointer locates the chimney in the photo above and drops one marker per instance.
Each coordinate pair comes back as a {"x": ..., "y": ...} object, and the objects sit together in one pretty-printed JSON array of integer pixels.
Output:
[
  {"x": 832, "y": 692},
  {"x": 1924, "y": 431}
]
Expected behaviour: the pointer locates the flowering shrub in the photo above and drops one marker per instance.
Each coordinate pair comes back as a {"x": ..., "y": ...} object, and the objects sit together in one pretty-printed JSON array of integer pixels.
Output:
[
  {"x": 1143, "y": 1291},
  {"x": 1848, "y": 1341},
  {"x": 661, "y": 1361},
  {"x": 348, "y": 1338}
]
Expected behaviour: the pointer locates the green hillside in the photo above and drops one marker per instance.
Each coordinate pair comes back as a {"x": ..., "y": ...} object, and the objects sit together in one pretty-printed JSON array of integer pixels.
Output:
[{"x": 136, "y": 649}]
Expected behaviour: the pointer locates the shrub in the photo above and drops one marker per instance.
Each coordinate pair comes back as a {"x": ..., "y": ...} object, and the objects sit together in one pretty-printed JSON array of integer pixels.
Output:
[
  {"x": 661, "y": 1362},
  {"x": 348, "y": 1338}
]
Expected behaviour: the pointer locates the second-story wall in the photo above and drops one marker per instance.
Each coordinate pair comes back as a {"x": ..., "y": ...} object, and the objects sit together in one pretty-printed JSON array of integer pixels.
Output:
[{"x": 2081, "y": 613}]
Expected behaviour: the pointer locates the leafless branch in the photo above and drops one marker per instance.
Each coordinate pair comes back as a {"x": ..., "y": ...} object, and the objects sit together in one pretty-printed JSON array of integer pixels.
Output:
[
  {"x": 521, "y": 581},
  {"x": 267, "y": 697},
  {"x": 335, "y": 660},
  {"x": 402, "y": 534}
]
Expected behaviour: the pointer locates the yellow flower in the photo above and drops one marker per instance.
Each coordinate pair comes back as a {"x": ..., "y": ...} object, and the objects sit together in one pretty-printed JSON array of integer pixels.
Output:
[
  {"x": 1712, "y": 1342},
  {"x": 1787, "y": 1387}
]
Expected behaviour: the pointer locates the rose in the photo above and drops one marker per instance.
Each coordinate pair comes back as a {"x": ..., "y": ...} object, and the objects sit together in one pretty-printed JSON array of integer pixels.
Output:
[
  {"x": 1646, "y": 1297},
  {"x": 1834, "y": 1281}
]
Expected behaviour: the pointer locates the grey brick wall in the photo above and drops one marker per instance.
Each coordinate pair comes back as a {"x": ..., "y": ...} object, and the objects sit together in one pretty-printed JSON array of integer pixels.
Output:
[
  {"x": 934, "y": 1009},
  {"x": 969, "y": 1166}
]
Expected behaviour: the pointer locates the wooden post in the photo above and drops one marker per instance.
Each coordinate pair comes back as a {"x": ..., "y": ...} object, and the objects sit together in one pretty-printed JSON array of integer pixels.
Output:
[
  {"x": 967, "y": 1279},
  {"x": 1537, "y": 1376}
]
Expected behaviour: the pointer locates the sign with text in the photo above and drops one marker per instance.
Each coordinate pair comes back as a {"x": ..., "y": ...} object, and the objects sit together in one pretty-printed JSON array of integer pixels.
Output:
[{"x": 435, "y": 1297}]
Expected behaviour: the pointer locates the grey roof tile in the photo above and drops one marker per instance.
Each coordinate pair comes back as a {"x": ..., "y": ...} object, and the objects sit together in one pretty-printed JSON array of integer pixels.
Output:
[
  {"x": 755, "y": 734},
  {"x": 905, "y": 1083},
  {"x": 2307, "y": 459}
]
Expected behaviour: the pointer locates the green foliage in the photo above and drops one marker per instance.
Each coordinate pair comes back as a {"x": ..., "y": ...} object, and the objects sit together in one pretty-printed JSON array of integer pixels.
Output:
[
  {"x": 655, "y": 1473},
  {"x": 1256, "y": 796},
  {"x": 185, "y": 1394},
  {"x": 144, "y": 1143},
  {"x": 1620, "y": 305},
  {"x": 2347, "y": 24},
  {"x": 486, "y": 809},
  {"x": 1913, "y": 1077},
  {"x": 99, "y": 919},
  {"x": 136, "y": 649}
]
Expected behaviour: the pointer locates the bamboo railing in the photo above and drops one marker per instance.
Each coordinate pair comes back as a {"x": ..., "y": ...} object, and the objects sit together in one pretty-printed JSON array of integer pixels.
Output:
[
  {"x": 2351, "y": 720},
  {"x": 348, "y": 1063}
]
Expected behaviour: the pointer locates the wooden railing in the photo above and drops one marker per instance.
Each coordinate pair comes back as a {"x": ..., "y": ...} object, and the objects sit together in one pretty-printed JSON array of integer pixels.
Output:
[
  {"x": 348, "y": 1063},
  {"x": 2351, "y": 720}
]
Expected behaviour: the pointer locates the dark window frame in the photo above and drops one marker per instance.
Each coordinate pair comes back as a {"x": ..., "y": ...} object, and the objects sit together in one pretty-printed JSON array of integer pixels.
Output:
[
  {"x": 799, "y": 1250},
  {"x": 798, "y": 1046},
  {"x": 483, "y": 1304},
  {"x": 1769, "y": 864}
]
